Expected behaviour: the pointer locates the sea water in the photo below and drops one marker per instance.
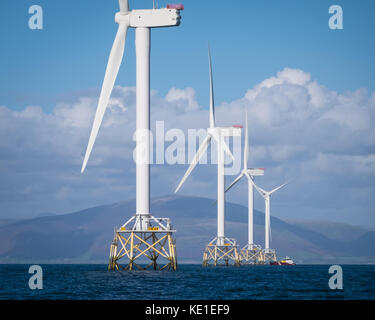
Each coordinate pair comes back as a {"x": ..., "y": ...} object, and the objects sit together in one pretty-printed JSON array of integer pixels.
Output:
[{"x": 188, "y": 282}]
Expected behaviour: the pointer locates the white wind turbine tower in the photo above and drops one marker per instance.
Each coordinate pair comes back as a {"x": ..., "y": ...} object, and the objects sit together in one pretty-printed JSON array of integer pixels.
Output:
[
  {"x": 220, "y": 248},
  {"x": 268, "y": 254},
  {"x": 250, "y": 253},
  {"x": 146, "y": 227}
]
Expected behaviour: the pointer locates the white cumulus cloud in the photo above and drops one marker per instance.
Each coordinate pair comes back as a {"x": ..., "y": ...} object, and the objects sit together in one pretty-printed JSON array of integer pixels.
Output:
[{"x": 298, "y": 129}]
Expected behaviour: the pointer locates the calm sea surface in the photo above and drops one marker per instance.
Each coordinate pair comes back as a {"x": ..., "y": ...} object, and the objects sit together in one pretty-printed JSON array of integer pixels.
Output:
[{"x": 188, "y": 282}]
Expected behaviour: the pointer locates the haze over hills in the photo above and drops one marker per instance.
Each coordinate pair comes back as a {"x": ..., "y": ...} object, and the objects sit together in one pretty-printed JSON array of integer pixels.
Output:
[
  {"x": 85, "y": 236},
  {"x": 332, "y": 230}
]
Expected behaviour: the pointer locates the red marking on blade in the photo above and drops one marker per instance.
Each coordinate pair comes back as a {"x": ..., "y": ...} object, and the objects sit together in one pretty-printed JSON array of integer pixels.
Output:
[{"x": 175, "y": 6}]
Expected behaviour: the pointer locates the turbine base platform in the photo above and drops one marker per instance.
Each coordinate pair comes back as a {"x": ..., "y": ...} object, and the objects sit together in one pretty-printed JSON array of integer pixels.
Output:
[
  {"x": 147, "y": 245},
  {"x": 269, "y": 255},
  {"x": 251, "y": 254},
  {"x": 221, "y": 252}
]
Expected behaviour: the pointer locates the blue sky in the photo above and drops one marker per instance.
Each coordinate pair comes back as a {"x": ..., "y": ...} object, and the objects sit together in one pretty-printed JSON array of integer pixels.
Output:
[
  {"x": 308, "y": 89},
  {"x": 250, "y": 40}
]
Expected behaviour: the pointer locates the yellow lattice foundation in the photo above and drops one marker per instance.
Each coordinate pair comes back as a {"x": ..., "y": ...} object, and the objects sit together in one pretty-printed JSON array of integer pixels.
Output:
[
  {"x": 153, "y": 248},
  {"x": 268, "y": 255},
  {"x": 133, "y": 247},
  {"x": 223, "y": 254},
  {"x": 251, "y": 254}
]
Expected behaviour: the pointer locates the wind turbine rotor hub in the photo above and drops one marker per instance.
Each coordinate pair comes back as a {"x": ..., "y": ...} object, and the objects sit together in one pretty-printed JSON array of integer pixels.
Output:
[
  {"x": 224, "y": 131},
  {"x": 122, "y": 17}
]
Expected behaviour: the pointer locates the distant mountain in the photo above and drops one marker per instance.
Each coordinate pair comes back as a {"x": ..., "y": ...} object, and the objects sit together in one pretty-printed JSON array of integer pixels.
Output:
[
  {"x": 333, "y": 230},
  {"x": 85, "y": 236},
  {"x": 4, "y": 222},
  {"x": 44, "y": 214}
]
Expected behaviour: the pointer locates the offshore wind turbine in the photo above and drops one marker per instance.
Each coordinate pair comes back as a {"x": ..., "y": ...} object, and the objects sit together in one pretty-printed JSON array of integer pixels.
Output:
[
  {"x": 268, "y": 254},
  {"x": 220, "y": 248},
  {"x": 251, "y": 253},
  {"x": 142, "y": 21}
]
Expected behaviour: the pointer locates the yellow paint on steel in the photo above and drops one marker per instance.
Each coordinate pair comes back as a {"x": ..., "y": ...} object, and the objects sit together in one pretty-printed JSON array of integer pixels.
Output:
[{"x": 146, "y": 245}]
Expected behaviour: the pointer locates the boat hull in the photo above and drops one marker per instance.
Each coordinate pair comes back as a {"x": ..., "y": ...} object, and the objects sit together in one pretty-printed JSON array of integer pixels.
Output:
[{"x": 280, "y": 263}]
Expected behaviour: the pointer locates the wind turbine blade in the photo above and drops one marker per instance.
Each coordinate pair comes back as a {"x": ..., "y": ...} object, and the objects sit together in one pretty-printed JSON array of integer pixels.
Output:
[
  {"x": 274, "y": 190},
  {"x": 124, "y": 5},
  {"x": 111, "y": 72},
  {"x": 262, "y": 192},
  {"x": 203, "y": 147},
  {"x": 221, "y": 141},
  {"x": 212, "y": 112},
  {"x": 234, "y": 182},
  {"x": 226, "y": 148},
  {"x": 246, "y": 148}
]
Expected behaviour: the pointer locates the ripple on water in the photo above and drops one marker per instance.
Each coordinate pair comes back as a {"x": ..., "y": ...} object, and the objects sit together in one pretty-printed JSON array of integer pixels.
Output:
[{"x": 188, "y": 282}]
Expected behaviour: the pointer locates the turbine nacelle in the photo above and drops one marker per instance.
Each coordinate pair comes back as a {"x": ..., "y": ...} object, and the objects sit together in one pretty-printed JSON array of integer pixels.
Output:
[
  {"x": 224, "y": 131},
  {"x": 149, "y": 18},
  {"x": 254, "y": 172}
]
